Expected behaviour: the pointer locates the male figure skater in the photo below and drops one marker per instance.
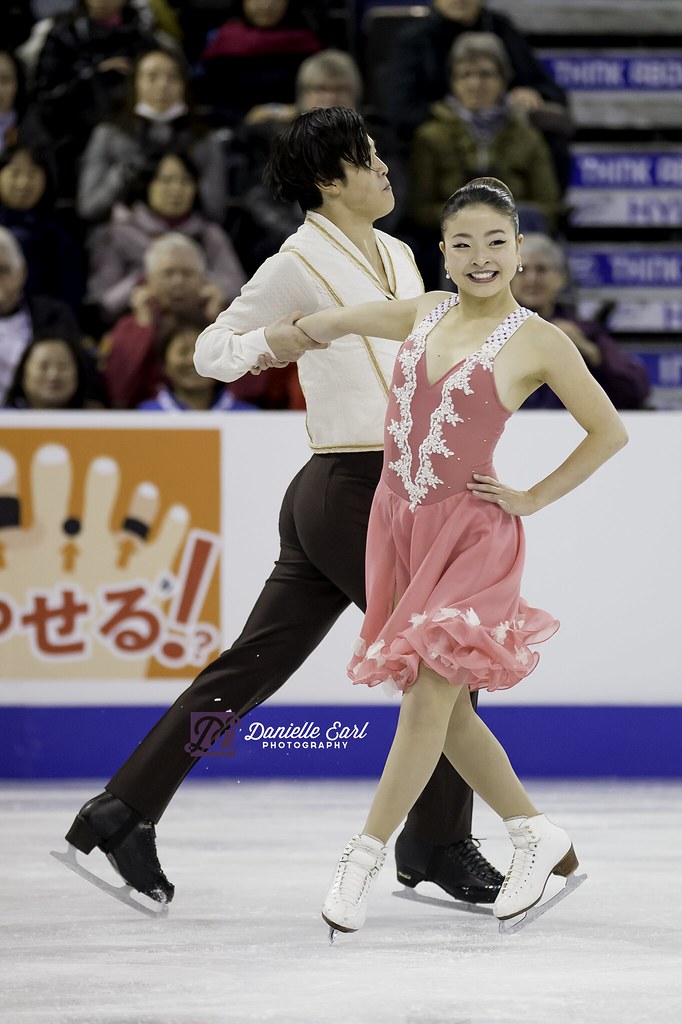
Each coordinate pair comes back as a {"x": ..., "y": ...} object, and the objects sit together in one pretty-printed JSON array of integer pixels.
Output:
[{"x": 326, "y": 161}]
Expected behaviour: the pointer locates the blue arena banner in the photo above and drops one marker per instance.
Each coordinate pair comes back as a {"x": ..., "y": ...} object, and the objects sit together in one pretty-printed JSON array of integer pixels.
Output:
[
  {"x": 663, "y": 367},
  {"x": 625, "y": 189},
  {"x": 632, "y": 315},
  {"x": 626, "y": 170},
  {"x": 641, "y": 285},
  {"x": 346, "y": 741},
  {"x": 626, "y": 268},
  {"x": 661, "y": 72}
]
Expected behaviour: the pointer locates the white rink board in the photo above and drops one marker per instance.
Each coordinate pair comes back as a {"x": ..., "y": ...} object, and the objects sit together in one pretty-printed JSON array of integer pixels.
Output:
[{"x": 606, "y": 560}]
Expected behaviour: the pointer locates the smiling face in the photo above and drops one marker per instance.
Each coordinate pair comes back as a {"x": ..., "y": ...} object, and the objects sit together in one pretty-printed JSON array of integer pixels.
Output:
[
  {"x": 50, "y": 375},
  {"x": 481, "y": 250}
]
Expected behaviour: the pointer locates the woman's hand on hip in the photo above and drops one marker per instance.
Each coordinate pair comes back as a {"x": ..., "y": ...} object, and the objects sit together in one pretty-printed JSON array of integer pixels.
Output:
[{"x": 514, "y": 503}]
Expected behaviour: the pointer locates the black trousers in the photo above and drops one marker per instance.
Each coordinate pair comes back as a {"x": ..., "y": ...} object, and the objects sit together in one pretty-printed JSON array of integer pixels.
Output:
[{"x": 319, "y": 572}]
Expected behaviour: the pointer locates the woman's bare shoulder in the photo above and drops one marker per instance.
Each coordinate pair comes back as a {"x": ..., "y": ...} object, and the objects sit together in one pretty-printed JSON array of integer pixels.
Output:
[
  {"x": 542, "y": 347},
  {"x": 429, "y": 301},
  {"x": 540, "y": 330},
  {"x": 426, "y": 302},
  {"x": 545, "y": 336}
]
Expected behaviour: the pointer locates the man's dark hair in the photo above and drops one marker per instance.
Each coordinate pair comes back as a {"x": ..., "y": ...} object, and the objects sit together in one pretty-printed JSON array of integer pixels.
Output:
[{"x": 311, "y": 151}]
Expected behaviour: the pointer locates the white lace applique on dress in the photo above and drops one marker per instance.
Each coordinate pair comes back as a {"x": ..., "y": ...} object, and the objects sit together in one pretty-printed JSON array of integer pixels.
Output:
[{"x": 459, "y": 380}]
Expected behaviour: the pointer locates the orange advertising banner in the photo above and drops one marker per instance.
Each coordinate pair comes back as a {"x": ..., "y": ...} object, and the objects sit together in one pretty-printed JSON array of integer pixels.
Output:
[{"x": 109, "y": 552}]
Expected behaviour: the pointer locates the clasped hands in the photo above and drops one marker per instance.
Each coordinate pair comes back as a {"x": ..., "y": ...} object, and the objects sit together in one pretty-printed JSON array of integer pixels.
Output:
[{"x": 287, "y": 343}]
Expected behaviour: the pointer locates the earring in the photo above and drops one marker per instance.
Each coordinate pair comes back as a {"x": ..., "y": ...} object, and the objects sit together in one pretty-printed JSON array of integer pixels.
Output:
[
  {"x": 447, "y": 273},
  {"x": 520, "y": 268}
]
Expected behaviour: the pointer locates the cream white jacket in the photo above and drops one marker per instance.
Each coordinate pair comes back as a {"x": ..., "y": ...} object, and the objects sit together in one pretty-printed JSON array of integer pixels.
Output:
[{"x": 345, "y": 386}]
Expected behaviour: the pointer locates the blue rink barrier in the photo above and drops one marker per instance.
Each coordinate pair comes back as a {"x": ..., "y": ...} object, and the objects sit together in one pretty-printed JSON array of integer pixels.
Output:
[{"x": 348, "y": 741}]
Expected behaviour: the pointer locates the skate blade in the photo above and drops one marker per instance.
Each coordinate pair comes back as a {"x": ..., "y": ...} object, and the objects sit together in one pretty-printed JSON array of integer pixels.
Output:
[
  {"x": 122, "y": 893},
  {"x": 335, "y": 929},
  {"x": 434, "y": 901},
  {"x": 515, "y": 924}
]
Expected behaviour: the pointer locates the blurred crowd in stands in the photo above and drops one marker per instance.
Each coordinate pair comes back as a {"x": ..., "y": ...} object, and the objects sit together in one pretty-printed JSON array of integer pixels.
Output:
[{"x": 133, "y": 137}]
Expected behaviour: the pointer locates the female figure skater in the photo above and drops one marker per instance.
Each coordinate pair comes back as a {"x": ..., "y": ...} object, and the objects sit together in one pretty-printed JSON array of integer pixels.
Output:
[{"x": 445, "y": 547}]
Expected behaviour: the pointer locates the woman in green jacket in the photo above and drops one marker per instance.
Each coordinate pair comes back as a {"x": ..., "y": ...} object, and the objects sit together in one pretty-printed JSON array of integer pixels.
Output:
[{"x": 473, "y": 132}]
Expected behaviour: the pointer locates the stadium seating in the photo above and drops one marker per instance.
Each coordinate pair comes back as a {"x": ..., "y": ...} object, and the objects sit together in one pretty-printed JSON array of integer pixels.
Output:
[{"x": 621, "y": 65}]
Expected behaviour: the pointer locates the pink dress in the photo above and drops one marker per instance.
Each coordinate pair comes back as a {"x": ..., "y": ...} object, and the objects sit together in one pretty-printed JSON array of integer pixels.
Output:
[{"x": 443, "y": 566}]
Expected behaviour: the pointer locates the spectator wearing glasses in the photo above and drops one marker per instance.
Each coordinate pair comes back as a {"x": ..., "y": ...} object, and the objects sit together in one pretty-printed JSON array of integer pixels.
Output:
[
  {"x": 418, "y": 73},
  {"x": 473, "y": 131}
]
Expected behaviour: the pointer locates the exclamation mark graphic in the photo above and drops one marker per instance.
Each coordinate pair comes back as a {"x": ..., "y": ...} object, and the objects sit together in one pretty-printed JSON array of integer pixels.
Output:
[{"x": 196, "y": 570}]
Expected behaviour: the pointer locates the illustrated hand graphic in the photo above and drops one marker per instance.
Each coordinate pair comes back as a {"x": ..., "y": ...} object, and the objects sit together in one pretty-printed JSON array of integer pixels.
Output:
[{"x": 82, "y": 596}]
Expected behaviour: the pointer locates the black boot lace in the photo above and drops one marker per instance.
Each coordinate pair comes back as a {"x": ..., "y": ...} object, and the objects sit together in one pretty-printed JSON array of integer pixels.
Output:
[{"x": 467, "y": 853}]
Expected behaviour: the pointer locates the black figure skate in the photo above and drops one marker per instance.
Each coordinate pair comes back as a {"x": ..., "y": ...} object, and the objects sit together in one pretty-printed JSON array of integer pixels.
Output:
[{"x": 128, "y": 841}]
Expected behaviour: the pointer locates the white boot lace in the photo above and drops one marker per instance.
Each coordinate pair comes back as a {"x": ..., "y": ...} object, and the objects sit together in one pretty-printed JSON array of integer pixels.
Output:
[
  {"x": 521, "y": 865},
  {"x": 352, "y": 879}
]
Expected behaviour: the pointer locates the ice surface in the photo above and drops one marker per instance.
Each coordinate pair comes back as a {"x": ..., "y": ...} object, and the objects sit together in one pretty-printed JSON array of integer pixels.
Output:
[{"x": 244, "y": 941}]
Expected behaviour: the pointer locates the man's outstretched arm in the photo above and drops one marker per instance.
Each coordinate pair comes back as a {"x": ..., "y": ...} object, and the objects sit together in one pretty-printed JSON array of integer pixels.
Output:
[{"x": 232, "y": 345}]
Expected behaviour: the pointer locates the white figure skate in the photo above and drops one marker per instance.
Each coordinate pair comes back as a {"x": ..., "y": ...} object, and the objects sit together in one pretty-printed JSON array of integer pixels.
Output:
[
  {"x": 541, "y": 849},
  {"x": 345, "y": 905}
]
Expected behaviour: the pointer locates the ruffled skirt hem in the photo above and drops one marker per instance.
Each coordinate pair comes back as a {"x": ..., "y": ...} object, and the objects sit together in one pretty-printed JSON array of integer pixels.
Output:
[{"x": 456, "y": 645}]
